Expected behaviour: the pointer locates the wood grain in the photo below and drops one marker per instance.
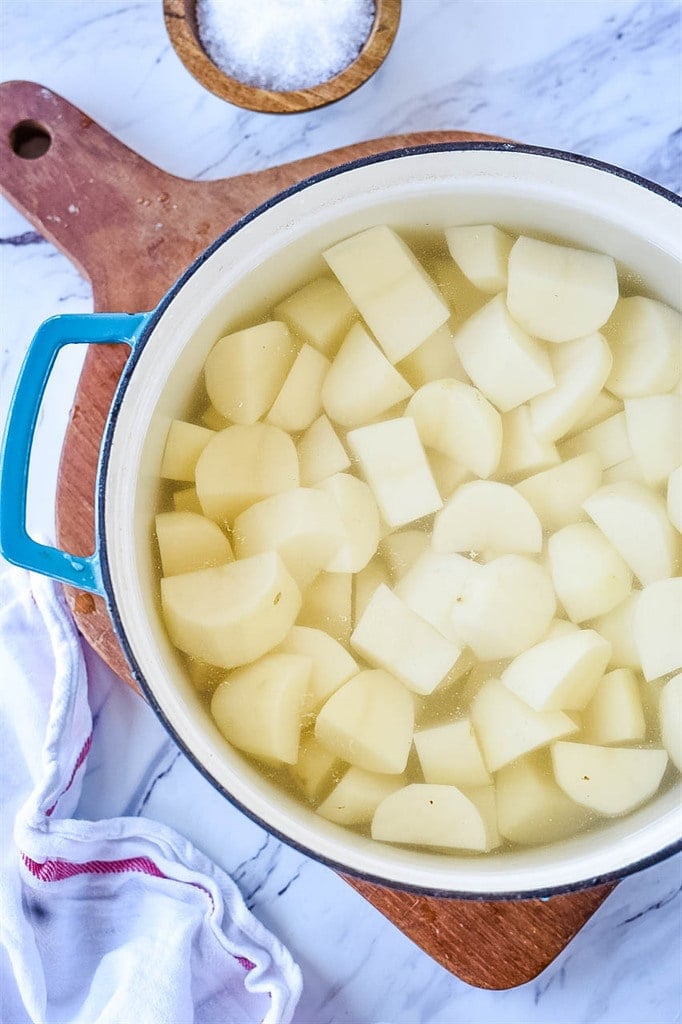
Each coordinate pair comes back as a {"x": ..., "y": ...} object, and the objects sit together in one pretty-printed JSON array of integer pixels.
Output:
[
  {"x": 131, "y": 229},
  {"x": 181, "y": 25}
]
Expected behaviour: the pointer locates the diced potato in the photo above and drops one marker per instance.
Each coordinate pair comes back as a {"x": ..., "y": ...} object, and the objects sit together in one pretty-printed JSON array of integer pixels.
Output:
[
  {"x": 184, "y": 444},
  {"x": 675, "y": 498},
  {"x": 557, "y": 495},
  {"x": 395, "y": 466},
  {"x": 627, "y": 470},
  {"x": 650, "y": 696},
  {"x": 485, "y": 800},
  {"x": 608, "y": 439},
  {"x": 602, "y": 408},
  {"x": 608, "y": 780},
  {"x": 559, "y": 627},
  {"x": 361, "y": 383},
  {"x": 245, "y": 371},
  {"x": 635, "y": 520},
  {"x": 481, "y": 251},
  {"x": 503, "y": 608},
  {"x": 359, "y": 517},
  {"x": 449, "y": 755},
  {"x": 316, "y": 769},
  {"x": 302, "y": 525},
  {"x": 590, "y": 577},
  {"x": 559, "y": 293},
  {"x": 232, "y": 614},
  {"x": 614, "y": 714},
  {"x": 259, "y": 707},
  {"x": 391, "y": 636},
  {"x": 320, "y": 453},
  {"x": 561, "y": 674},
  {"x": 435, "y": 359},
  {"x": 426, "y": 815},
  {"x": 394, "y": 294},
  {"x": 671, "y": 719},
  {"x": 658, "y": 627},
  {"x": 507, "y": 365},
  {"x": 365, "y": 583},
  {"x": 299, "y": 401},
  {"x": 243, "y": 465},
  {"x": 646, "y": 340},
  {"x": 433, "y": 584},
  {"x": 332, "y": 665},
  {"x": 327, "y": 605},
  {"x": 484, "y": 515},
  {"x": 212, "y": 419},
  {"x": 522, "y": 451},
  {"x": 369, "y": 722},
  {"x": 531, "y": 809},
  {"x": 401, "y": 550},
  {"x": 320, "y": 312},
  {"x": 447, "y": 473},
  {"x": 356, "y": 797},
  {"x": 580, "y": 369},
  {"x": 654, "y": 426},
  {"x": 457, "y": 420},
  {"x": 618, "y": 627},
  {"x": 188, "y": 542},
  {"x": 187, "y": 500},
  {"x": 507, "y": 728},
  {"x": 457, "y": 290}
]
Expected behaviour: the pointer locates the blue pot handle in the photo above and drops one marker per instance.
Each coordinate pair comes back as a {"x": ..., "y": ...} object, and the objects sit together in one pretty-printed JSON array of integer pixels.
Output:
[{"x": 15, "y": 544}]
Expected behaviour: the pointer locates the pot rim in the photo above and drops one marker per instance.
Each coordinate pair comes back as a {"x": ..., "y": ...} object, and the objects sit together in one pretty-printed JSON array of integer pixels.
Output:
[{"x": 100, "y": 498}]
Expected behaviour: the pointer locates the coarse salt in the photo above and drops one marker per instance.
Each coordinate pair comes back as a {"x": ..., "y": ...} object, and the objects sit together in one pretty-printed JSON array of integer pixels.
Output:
[{"x": 284, "y": 44}]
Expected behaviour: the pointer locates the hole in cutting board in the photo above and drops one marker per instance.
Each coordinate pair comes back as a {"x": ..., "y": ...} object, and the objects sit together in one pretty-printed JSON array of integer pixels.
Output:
[{"x": 30, "y": 140}]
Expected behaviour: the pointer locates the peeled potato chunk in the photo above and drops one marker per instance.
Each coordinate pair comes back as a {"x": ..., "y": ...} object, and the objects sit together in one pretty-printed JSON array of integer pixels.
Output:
[
  {"x": 326, "y": 605},
  {"x": 401, "y": 550},
  {"x": 618, "y": 627},
  {"x": 258, "y": 708},
  {"x": 320, "y": 312},
  {"x": 355, "y": 798},
  {"x": 449, "y": 755},
  {"x": 434, "y": 359},
  {"x": 245, "y": 371},
  {"x": 433, "y": 584},
  {"x": 602, "y": 408},
  {"x": 590, "y": 577},
  {"x": 559, "y": 293},
  {"x": 232, "y": 614},
  {"x": 503, "y": 608},
  {"x": 658, "y": 627},
  {"x": 361, "y": 383},
  {"x": 671, "y": 719},
  {"x": 316, "y": 769},
  {"x": 523, "y": 452},
  {"x": 365, "y": 583},
  {"x": 636, "y": 522},
  {"x": 457, "y": 420},
  {"x": 447, "y": 473},
  {"x": 645, "y": 337},
  {"x": 507, "y": 365},
  {"x": 188, "y": 542},
  {"x": 654, "y": 426},
  {"x": 561, "y": 674},
  {"x": 427, "y": 815},
  {"x": 395, "y": 466},
  {"x": 359, "y": 518},
  {"x": 396, "y": 297},
  {"x": 580, "y": 370},
  {"x": 530, "y": 806},
  {"x": 608, "y": 439},
  {"x": 557, "y": 495},
  {"x": 608, "y": 780},
  {"x": 299, "y": 401},
  {"x": 485, "y": 515},
  {"x": 675, "y": 498},
  {"x": 559, "y": 627},
  {"x": 332, "y": 665},
  {"x": 243, "y": 465},
  {"x": 457, "y": 290},
  {"x": 507, "y": 728},
  {"x": 303, "y": 525},
  {"x": 614, "y": 714},
  {"x": 627, "y": 470},
  {"x": 320, "y": 453},
  {"x": 184, "y": 444},
  {"x": 391, "y": 636},
  {"x": 481, "y": 252},
  {"x": 369, "y": 722}
]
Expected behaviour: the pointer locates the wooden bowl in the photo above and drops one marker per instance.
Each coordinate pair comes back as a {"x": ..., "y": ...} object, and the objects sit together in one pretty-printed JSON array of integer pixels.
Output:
[{"x": 181, "y": 25}]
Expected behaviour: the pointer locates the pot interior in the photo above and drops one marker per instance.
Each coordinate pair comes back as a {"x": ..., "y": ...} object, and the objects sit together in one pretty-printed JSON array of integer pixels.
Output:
[{"x": 266, "y": 257}]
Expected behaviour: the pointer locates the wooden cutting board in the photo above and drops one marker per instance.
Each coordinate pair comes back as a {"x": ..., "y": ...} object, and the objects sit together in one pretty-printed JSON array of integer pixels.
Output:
[{"x": 131, "y": 229}]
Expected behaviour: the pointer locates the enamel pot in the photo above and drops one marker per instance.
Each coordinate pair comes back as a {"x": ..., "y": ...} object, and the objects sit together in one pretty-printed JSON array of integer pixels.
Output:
[{"x": 250, "y": 267}]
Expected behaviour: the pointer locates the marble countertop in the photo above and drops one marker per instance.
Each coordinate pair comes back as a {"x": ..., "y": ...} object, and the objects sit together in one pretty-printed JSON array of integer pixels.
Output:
[{"x": 600, "y": 78}]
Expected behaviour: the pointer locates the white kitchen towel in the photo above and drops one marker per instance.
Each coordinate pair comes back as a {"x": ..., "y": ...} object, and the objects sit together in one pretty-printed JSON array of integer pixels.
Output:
[{"x": 105, "y": 922}]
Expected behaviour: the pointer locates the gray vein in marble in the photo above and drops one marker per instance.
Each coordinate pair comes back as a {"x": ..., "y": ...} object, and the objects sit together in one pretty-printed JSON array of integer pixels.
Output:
[{"x": 26, "y": 238}]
